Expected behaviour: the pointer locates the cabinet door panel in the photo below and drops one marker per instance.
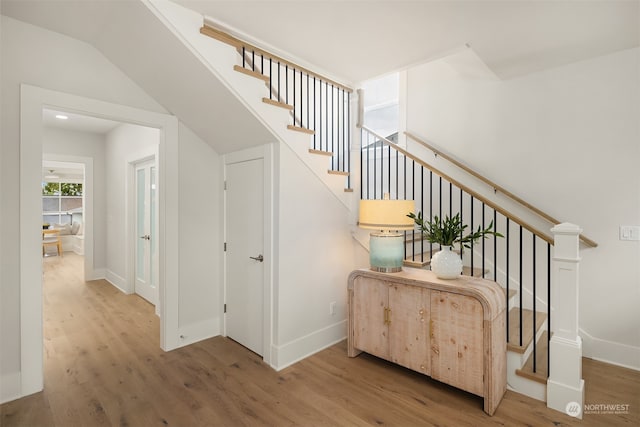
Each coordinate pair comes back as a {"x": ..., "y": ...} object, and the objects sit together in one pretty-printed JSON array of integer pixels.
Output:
[
  {"x": 370, "y": 298},
  {"x": 456, "y": 341},
  {"x": 409, "y": 328}
]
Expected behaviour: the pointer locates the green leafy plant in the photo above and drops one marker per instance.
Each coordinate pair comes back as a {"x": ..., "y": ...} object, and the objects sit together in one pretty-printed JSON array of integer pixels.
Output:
[{"x": 450, "y": 230}]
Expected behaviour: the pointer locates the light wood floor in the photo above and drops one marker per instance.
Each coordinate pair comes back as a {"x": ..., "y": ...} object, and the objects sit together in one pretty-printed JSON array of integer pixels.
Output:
[{"x": 103, "y": 366}]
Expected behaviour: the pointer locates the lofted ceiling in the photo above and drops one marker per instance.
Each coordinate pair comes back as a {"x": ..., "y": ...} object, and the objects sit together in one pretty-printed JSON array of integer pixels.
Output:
[
  {"x": 134, "y": 40},
  {"x": 358, "y": 40},
  {"x": 350, "y": 41}
]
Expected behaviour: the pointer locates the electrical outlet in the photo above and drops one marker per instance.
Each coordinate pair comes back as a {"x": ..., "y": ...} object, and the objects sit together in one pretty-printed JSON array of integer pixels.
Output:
[
  {"x": 332, "y": 308},
  {"x": 629, "y": 232}
]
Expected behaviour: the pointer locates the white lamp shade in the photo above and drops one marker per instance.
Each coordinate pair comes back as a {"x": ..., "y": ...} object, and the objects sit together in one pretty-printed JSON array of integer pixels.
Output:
[{"x": 386, "y": 214}]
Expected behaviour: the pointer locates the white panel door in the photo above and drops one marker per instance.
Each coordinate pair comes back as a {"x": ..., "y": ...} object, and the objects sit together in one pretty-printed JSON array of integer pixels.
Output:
[
  {"x": 146, "y": 273},
  {"x": 244, "y": 255}
]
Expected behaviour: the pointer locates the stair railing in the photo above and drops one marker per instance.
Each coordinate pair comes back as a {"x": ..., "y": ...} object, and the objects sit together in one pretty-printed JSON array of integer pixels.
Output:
[
  {"x": 317, "y": 105},
  {"x": 522, "y": 259},
  {"x": 496, "y": 187}
]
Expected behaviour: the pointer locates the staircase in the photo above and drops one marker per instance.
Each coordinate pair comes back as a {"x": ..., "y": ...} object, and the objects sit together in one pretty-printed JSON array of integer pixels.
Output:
[
  {"x": 311, "y": 115},
  {"x": 520, "y": 263}
]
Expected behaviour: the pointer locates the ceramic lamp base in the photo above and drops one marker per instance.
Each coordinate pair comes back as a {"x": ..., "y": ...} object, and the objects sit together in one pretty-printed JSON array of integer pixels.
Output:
[{"x": 386, "y": 252}]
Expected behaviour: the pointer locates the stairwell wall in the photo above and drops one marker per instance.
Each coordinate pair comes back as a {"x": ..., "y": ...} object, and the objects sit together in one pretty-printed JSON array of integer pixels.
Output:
[{"x": 564, "y": 139}]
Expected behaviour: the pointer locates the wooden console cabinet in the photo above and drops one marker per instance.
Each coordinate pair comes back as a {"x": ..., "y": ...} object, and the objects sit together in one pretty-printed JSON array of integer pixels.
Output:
[{"x": 450, "y": 330}]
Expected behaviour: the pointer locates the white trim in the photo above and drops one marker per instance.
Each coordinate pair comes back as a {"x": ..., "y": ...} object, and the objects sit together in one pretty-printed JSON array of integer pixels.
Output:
[
  {"x": 294, "y": 351},
  {"x": 117, "y": 281},
  {"x": 265, "y": 152},
  {"x": 611, "y": 352},
  {"x": 200, "y": 331},
  {"x": 32, "y": 101},
  {"x": 98, "y": 274},
  {"x": 10, "y": 386}
]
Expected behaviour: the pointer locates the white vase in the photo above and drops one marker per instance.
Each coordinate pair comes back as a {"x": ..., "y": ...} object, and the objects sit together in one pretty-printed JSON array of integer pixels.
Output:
[{"x": 446, "y": 264}]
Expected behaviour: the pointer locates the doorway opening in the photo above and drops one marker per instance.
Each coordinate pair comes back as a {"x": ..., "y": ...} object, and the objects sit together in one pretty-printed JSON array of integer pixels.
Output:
[{"x": 33, "y": 101}]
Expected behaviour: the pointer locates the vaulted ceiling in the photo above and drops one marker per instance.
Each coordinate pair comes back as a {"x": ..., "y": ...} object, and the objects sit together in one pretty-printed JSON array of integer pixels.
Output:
[
  {"x": 350, "y": 41},
  {"x": 358, "y": 40}
]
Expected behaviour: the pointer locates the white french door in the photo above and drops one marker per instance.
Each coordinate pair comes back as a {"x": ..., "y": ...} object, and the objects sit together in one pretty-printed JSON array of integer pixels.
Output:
[{"x": 146, "y": 265}]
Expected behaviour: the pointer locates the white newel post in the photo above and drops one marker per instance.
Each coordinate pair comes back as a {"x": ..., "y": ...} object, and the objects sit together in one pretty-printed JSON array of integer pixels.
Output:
[{"x": 565, "y": 387}]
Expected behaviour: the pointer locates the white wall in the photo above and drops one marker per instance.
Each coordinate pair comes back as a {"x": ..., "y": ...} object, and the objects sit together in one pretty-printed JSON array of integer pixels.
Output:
[
  {"x": 200, "y": 238},
  {"x": 91, "y": 145},
  {"x": 315, "y": 256},
  {"x": 124, "y": 144},
  {"x": 566, "y": 140}
]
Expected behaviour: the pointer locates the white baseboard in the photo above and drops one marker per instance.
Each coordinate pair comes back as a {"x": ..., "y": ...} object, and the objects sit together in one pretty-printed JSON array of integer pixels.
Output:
[
  {"x": 190, "y": 334},
  {"x": 611, "y": 352},
  {"x": 10, "y": 387},
  {"x": 303, "y": 347},
  {"x": 96, "y": 274},
  {"x": 117, "y": 281}
]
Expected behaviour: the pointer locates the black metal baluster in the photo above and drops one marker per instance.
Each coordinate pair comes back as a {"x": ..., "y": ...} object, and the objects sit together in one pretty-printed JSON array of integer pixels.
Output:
[
  {"x": 375, "y": 167},
  {"x": 326, "y": 116},
  {"x": 413, "y": 197},
  {"x": 243, "y": 57},
  {"x": 368, "y": 167},
  {"x": 520, "y": 279},
  {"x": 507, "y": 272},
  {"x": 471, "y": 249},
  {"x": 422, "y": 210},
  {"x": 270, "y": 78},
  {"x": 294, "y": 97},
  {"x": 253, "y": 60},
  {"x": 548, "y": 308},
  {"x": 389, "y": 166},
  {"x": 430, "y": 209},
  {"x": 315, "y": 146},
  {"x": 461, "y": 219},
  {"x": 279, "y": 91},
  {"x": 534, "y": 303},
  {"x": 348, "y": 130},
  {"x": 286, "y": 83},
  {"x": 450, "y": 200},
  {"x": 320, "y": 118},
  {"x": 495, "y": 254},
  {"x": 483, "y": 240},
  {"x": 362, "y": 182}
]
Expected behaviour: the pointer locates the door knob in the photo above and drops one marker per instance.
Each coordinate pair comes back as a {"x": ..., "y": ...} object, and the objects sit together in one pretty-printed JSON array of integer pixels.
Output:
[{"x": 258, "y": 258}]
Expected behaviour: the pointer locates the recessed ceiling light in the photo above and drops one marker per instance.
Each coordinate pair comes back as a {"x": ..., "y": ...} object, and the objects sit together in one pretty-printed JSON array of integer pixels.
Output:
[{"x": 61, "y": 117}]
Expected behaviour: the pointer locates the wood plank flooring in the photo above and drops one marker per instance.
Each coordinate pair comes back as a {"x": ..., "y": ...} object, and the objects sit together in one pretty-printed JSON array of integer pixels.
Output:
[{"x": 104, "y": 367}]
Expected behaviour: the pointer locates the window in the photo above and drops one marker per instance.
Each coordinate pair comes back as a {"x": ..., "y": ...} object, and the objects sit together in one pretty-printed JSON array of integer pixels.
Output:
[{"x": 60, "y": 200}]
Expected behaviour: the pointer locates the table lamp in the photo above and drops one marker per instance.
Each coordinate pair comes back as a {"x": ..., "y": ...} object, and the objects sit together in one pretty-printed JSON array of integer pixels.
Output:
[{"x": 386, "y": 247}]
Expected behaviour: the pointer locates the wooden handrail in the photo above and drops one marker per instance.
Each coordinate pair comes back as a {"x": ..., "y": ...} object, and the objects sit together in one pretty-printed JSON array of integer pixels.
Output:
[
  {"x": 495, "y": 186},
  {"x": 547, "y": 238},
  {"x": 239, "y": 44}
]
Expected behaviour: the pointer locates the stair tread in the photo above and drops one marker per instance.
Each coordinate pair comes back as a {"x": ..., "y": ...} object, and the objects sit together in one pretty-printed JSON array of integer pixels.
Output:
[
  {"x": 277, "y": 103},
  {"x": 251, "y": 73},
  {"x": 542, "y": 362},
  {"x": 299, "y": 129},
  {"x": 348, "y": 190},
  {"x": 333, "y": 172},
  {"x": 321, "y": 152},
  {"x": 527, "y": 332},
  {"x": 512, "y": 293}
]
